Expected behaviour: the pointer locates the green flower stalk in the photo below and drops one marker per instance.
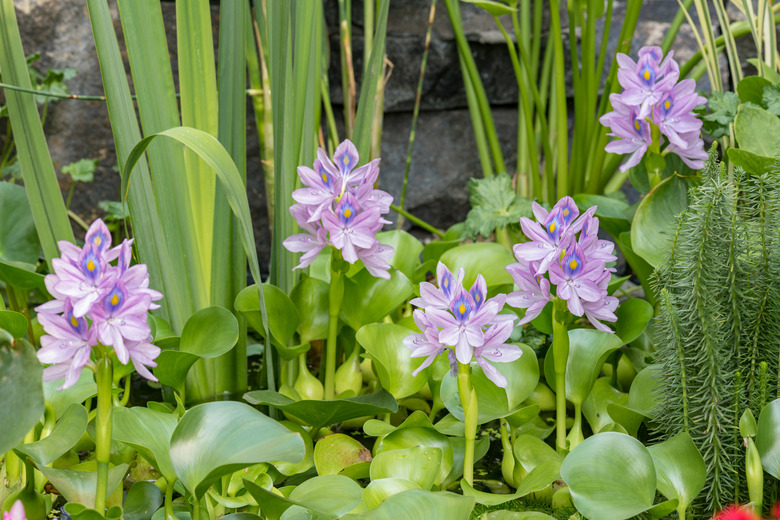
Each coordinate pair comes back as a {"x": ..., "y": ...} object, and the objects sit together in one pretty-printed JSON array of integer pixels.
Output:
[
  {"x": 103, "y": 422},
  {"x": 468, "y": 398}
]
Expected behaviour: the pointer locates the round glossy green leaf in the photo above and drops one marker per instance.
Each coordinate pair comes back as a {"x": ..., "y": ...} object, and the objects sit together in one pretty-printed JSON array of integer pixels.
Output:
[
  {"x": 208, "y": 333},
  {"x": 282, "y": 314},
  {"x": 594, "y": 408},
  {"x": 768, "y": 438},
  {"x": 751, "y": 162},
  {"x": 418, "y": 436},
  {"x": 13, "y": 322},
  {"x": 643, "y": 396},
  {"x": 215, "y": 439},
  {"x": 611, "y": 477},
  {"x": 334, "y": 494},
  {"x": 292, "y": 468},
  {"x": 625, "y": 417},
  {"x": 632, "y": 318},
  {"x": 149, "y": 433},
  {"x": 61, "y": 400},
  {"x": 142, "y": 500},
  {"x": 21, "y": 275},
  {"x": 531, "y": 452},
  {"x": 588, "y": 349},
  {"x": 326, "y": 413},
  {"x": 680, "y": 469},
  {"x": 420, "y": 465},
  {"x": 757, "y": 130},
  {"x": 334, "y": 453},
  {"x": 378, "y": 490},
  {"x": 18, "y": 242},
  {"x": 654, "y": 223},
  {"x": 407, "y": 250},
  {"x": 79, "y": 512},
  {"x": 65, "y": 434},
  {"x": 22, "y": 395},
  {"x": 487, "y": 258},
  {"x": 368, "y": 299},
  {"x": 492, "y": 7},
  {"x": 310, "y": 297},
  {"x": 537, "y": 427},
  {"x": 611, "y": 212},
  {"x": 495, "y": 402},
  {"x": 78, "y": 484},
  {"x": 417, "y": 503},
  {"x": 384, "y": 342}
]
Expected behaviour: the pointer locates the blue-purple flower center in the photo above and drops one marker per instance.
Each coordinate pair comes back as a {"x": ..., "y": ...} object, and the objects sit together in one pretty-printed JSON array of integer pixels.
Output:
[
  {"x": 478, "y": 297},
  {"x": 568, "y": 214},
  {"x": 639, "y": 128},
  {"x": 572, "y": 262},
  {"x": 446, "y": 284},
  {"x": 555, "y": 224},
  {"x": 647, "y": 74},
  {"x": 346, "y": 210},
  {"x": 114, "y": 299},
  {"x": 462, "y": 307},
  {"x": 345, "y": 162},
  {"x": 90, "y": 264},
  {"x": 667, "y": 105},
  {"x": 79, "y": 325},
  {"x": 100, "y": 241}
]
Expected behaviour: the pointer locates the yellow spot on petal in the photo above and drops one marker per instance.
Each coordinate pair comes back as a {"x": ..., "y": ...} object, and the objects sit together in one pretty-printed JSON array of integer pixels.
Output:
[
  {"x": 552, "y": 227},
  {"x": 566, "y": 212},
  {"x": 347, "y": 213},
  {"x": 462, "y": 309},
  {"x": 636, "y": 125},
  {"x": 91, "y": 265},
  {"x": 667, "y": 104},
  {"x": 573, "y": 264},
  {"x": 114, "y": 299},
  {"x": 324, "y": 177},
  {"x": 647, "y": 75},
  {"x": 97, "y": 240},
  {"x": 346, "y": 160},
  {"x": 74, "y": 321}
]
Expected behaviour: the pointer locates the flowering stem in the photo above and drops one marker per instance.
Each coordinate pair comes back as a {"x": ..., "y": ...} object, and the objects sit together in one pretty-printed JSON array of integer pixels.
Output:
[
  {"x": 104, "y": 376},
  {"x": 336, "y": 295},
  {"x": 561, "y": 355},
  {"x": 468, "y": 398}
]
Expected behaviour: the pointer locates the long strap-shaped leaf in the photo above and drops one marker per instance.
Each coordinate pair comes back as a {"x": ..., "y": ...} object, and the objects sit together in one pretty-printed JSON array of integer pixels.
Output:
[
  {"x": 214, "y": 154},
  {"x": 43, "y": 192}
]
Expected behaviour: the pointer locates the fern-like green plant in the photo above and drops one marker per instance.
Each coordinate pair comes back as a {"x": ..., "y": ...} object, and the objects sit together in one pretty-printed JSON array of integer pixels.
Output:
[{"x": 719, "y": 319}]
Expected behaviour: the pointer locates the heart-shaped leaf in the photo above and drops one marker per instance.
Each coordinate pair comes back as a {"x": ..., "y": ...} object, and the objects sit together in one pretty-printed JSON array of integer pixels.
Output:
[
  {"x": 486, "y": 258},
  {"x": 594, "y": 408},
  {"x": 22, "y": 395},
  {"x": 79, "y": 485},
  {"x": 632, "y": 318},
  {"x": 13, "y": 322},
  {"x": 65, "y": 434},
  {"x": 420, "y": 465},
  {"x": 215, "y": 439},
  {"x": 148, "y": 432},
  {"x": 368, "y": 299},
  {"x": 643, "y": 396},
  {"x": 378, "y": 490},
  {"x": 539, "y": 478},
  {"x": 407, "y": 250},
  {"x": 326, "y": 413},
  {"x": 334, "y": 453},
  {"x": 611, "y": 476},
  {"x": 419, "y": 436},
  {"x": 282, "y": 314},
  {"x": 680, "y": 469},
  {"x": 142, "y": 500}
]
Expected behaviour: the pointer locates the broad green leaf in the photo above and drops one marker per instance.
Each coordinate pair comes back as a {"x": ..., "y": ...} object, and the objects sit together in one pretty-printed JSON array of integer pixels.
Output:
[
  {"x": 22, "y": 395},
  {"x": 21, "y": 275},
  {"x": 531, "y": 452},
  {"x": 310, "y": 297},
  {"x": 632, "y": 318},
  {"x": 611, "y": 477},
  {"x": 326, "y": 413},
  {"x": 495, "y": 402},
  {"x": 752, "y": 163},
  {"x": 750, "y": 89},
  {"x": 379, "y": 489},
  {"x": 65, "y": 434},
  {"x": 81, "y": 512},
  {"x": 486, "y": 258},
  {"x": 19, "y": 242},
  {"x": 292, "y": 468},
  {"x": 417, "y": 503},
  {"x": 610, "y": 212},
  {"x": 148, "y": 432},
  {"x": 680, "y": 469},
  {"x": 325, "y": 497},
  {"x": 588, "y": 349},
  {"x": 14, "y": 323},
  {"x": 433, "y": 251},
  {"x": 334, "y": 453},
  {"x": 78, "y": 485},
  {"x": 654, "y": 222},
  {"x": 368, "y": 299},
  {"x": 643, "y": 396},
  {"x": 405, "y": 437},
  {"x": 282, "y": 314},
  {"x": 768, "y": 438},
  {"x": 496, "y": 9},
  {"x": 421, "y": 465},
  {"x": 216, "y": 439},
  {"x": 537, "y": 479},
  {"x": 384, "y": 343},
  {"x": 626, "y": 417},
  {"x": 142, "y": 500},
  {"x": 60, "y": 400},
  {"x": 757, "y": 131},
  {"x": 594, "y": 408},
  {"x": 407, "y": 250}
]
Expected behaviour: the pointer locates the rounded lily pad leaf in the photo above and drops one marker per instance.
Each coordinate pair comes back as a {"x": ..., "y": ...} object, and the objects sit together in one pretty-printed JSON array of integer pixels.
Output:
[
  {"x": 368, "y": 299},
  {"x": 378, "y": 490},
  {"x": 149, "y": 433},
  {"x": 611, "y": 477},
  {"x": 531, "y": 451},
  {"x": 61, "y": 400},
  {"x": 215, "y": 439},
  {"x": 496, "y": 402},
  {"x": 632, "y": 318},
  {"x": 420, "y": 465},
  {"x": 333, "y": 494},
  {"x": 384, "y": 342},
  {"x": 65, "y": 434},
  {"x": 142, "y": 500},
  {"x": 768, "y": 438},
  {"x": 680, "y": 469},
  {"x": 282, "y": 314},
  {"x": 418, "y": 503},
  {"x": 78, "y": 484},
  {"x": 411, "y": 437},
  {"x": 22, "y": 395},
  {"x": 486, "y": 258},
  {"x": 310, "y": 297},
  {"x": 407, "y": 250},
  {"x": 13, "y": 322},
  {"x": 643, "y": 396},
  {"x": 334, "y": 453},
  {"x": 588, "y": 350}
]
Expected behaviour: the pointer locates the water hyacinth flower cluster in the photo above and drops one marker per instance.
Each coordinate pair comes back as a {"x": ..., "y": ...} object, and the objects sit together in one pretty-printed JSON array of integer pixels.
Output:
[
  {"x": 564, "y": 252},
  {"x": 96, "y": 303},
  {"x": 652, "y": 97},
  {"x": 340, "y": 207},
  {"x": 463, "y": 323}
]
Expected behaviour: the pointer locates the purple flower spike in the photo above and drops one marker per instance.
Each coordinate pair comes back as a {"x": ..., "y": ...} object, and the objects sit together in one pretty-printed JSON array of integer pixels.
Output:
[
  {"x": 67, "y": 345},
  {"x": 534, "y": 291},
  {"x": 496, "y": 349},
  {"x": 603, "y": 309},
  {"x": 576, "y": 279},
  {"x": 425, "y": 344},
  {"x": 122, "y": 317},
  {"x": 439, "y": 297}
]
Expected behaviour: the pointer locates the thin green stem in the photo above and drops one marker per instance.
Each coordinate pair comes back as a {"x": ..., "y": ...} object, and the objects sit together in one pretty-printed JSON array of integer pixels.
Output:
[
  {"x": 416, "y": 221},
  {"x": 468, "y": 398},
  {"x": 169, "y": 501},
  {"x": 561, "y": 355},
  {"x": 103, "y": 376},
  {"x": 335, "y": 297},
  {"x": 559, "y": 89}
]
